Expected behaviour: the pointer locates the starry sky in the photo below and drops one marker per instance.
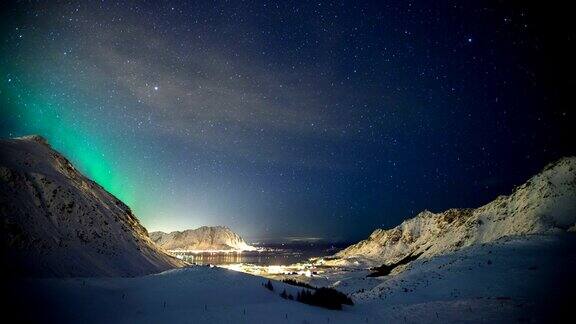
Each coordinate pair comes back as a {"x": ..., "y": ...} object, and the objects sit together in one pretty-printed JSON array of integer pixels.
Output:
[{"x": 292, "y": 119}]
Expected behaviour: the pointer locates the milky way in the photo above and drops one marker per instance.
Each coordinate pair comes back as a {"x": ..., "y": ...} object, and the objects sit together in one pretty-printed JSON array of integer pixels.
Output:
[{"x": 325, "y": 119}]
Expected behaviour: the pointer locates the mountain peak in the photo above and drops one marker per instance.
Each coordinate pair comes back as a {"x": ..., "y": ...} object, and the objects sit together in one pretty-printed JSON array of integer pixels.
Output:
[
  {"x": 204, "y": 238},
  {"x": 34, "y": 138},
  {"x": 546, "y": 203},
  {"x": 52, "y": 211}
]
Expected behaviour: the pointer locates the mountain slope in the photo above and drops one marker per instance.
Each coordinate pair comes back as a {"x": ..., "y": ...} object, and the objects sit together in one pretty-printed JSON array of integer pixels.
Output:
[
  {"x": 544, "y": 204},
  {"x": 201, "y": 239},
  {"x": 57, "y": 222}
]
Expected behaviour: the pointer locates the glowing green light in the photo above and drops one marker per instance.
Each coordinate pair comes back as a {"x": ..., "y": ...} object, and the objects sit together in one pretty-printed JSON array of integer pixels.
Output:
[{"x": 34, "y": 112}]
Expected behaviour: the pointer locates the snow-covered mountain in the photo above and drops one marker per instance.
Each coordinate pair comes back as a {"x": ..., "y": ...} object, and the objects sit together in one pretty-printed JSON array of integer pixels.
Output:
[
  {"x": 544, "y": 204},
  {"x": 205, "y": 238},
  {"x": 57, "y": 222}
]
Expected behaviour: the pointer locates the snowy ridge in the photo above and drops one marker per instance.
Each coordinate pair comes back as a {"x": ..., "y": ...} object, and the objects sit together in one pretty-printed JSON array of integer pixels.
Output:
[
  {"x": 202, "y": 239},
  {"x": 57, "y": 222},
  {"x": 544, "y": 204}
]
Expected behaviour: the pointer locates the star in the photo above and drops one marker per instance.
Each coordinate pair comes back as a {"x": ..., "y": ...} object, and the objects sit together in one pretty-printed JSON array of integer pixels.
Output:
[{"x": 325, "y": 104}]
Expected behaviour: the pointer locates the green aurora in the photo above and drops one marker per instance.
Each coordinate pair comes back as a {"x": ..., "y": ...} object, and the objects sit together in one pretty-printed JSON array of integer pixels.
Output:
[
  {"x": 200, "y": 114},
  {"x": 36, "y": 112}
]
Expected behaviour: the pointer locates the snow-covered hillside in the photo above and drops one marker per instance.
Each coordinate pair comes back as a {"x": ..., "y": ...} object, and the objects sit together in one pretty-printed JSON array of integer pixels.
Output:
[
  {"x": 544, "y": 204},
  {"x": 57, "y": 222},
  {"x": 205, "y": 238},
  {"x": 524, "y": 279},
  {"x": 508, "y": 261}
]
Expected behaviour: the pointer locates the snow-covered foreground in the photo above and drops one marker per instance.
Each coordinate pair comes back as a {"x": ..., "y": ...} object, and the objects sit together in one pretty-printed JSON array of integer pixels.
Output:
[
  {"x": 513, "y": 279},
  {"x": 198, "y": 294}
]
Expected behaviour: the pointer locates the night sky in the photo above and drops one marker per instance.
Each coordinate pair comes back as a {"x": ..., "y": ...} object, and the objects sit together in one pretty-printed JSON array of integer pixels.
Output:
[{"x": 317, "y": 119}]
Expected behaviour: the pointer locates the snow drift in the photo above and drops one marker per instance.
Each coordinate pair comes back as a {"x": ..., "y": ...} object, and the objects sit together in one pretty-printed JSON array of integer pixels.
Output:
[{"x": 57, "y": 222}]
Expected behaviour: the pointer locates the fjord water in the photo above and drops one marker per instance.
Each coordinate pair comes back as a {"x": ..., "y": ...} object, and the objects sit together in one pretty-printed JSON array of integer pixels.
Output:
[{"x": 272, "y": 254}]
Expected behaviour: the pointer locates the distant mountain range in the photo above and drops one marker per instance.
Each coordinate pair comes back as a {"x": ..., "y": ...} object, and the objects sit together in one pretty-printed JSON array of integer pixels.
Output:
[
  {"x": 205, "y": 238},
  {"x": 544, "y": 204},
  {"x": 57, "y": 222}
]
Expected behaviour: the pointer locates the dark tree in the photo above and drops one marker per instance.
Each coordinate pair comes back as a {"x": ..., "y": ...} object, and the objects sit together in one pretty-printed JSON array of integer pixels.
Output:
[
  {"x": 269, "y": 286},
  {"x": 324, "y": 297}
]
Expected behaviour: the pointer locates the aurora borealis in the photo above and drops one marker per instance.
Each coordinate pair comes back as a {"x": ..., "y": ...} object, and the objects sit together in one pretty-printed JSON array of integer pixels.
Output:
[
  {"x": 61, "y": 131},
  {"x": 324, "y": 119}
]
